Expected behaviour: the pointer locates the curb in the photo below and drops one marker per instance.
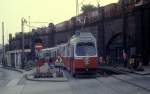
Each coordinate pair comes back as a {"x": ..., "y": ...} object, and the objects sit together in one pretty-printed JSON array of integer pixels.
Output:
[
  {"x": 119, "y": 70},
  {"x": 43, "y": 80}
]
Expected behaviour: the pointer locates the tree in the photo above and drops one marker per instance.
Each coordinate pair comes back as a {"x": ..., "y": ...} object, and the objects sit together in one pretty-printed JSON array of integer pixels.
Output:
[{"x": 87, "y": 8}]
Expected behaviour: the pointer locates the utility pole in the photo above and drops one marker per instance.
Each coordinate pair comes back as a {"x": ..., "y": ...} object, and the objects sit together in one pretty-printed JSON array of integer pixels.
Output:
[
  {"x": 3, "y": 60},
  {"x": 77, "y": 7},
  {"x": 124, "y": 33},
  {"x": 103, "y": 35},
  {"x": 101, "y": 32},
  {"x": 29, "y": 23},
  {"x": 23, "y": 21}
]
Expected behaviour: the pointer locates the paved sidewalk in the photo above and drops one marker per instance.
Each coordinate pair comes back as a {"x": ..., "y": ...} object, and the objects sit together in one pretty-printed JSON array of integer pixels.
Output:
[
  {"x": 126, "y": 70},
  {"x": 145, "y": 72}
]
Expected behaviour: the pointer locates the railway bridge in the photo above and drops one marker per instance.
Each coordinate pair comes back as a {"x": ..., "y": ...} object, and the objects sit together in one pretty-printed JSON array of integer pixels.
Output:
[{"x": 113, "y": 28}]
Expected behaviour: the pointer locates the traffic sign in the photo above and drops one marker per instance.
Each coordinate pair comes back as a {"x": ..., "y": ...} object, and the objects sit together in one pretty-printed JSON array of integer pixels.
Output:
[{"x": 38, "y": 46}]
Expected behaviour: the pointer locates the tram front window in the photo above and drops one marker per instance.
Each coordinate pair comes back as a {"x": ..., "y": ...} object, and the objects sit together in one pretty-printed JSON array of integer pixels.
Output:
[{"x": 85, "y": 49}]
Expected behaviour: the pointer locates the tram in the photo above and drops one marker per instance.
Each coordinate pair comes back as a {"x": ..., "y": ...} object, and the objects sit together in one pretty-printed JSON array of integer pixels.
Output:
[
  {"x": 80, "y": 54},
  {"x": 50, "y": 53}
]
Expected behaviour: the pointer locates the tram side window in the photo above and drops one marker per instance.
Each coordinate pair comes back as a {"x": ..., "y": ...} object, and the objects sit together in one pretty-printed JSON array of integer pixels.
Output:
[
  {"x": 72, "y": 51},
  {"x": 68, "y": 50},
  {"x": 65, "y": 51},
  {"x": 50, "y": 54},
  {"x": 55, "y": 54},
  {"x": 47, "y": 54}
]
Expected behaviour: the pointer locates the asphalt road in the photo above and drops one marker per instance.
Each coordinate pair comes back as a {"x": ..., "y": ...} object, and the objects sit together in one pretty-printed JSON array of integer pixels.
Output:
[
  {"x": 8, "y": 75},
  {"x": 12, "y": 82}
]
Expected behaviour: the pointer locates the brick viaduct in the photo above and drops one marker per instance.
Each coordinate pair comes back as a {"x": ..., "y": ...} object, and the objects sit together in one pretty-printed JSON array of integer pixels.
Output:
[{"x": 107, "y": 27}]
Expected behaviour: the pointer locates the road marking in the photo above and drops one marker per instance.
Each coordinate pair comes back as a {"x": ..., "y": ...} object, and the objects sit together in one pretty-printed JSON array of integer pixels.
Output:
[{"x": 13, "y": 82}]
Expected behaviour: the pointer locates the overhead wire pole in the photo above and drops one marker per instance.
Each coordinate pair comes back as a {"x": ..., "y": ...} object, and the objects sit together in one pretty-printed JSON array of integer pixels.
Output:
[
  {"x": 29, "y": 23},
  {"x": 124, "y": 33},
  {"x": 3, "y": 59},
  {"x": 23, "y": 21},
  {"x": 22, "y": 30},
  {"x": 77, "y": 7},
  {"x": 101, "y": 33}
]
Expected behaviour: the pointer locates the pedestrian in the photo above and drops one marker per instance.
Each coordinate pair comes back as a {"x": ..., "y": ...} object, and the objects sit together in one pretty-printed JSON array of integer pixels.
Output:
[
  {"x": 131, "y": 62},
  {"x": 139, "y": 64},
  {"x": 107, "y": 59},
  {"x": 100, "y": 60},
  {"x": 51, "y": 63},
  {"x": 125, "y": 60}
]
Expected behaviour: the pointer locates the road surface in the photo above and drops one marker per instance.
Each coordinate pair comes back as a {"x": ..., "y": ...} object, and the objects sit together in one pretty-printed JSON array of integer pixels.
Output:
[{"x": 12, "y": 82}]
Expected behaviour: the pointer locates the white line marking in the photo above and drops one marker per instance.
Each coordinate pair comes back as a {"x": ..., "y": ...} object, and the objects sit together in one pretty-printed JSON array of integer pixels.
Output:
[{"x": 13, "y": 82}]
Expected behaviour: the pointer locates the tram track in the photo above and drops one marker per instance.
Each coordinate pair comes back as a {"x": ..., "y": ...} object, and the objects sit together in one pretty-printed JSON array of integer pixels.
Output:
[
  {"x": 131, "y": 83},
  {"x": 122, "y": 86},
  {"x": 127, "y": 74},
  {"x": 110, "y": 84}
]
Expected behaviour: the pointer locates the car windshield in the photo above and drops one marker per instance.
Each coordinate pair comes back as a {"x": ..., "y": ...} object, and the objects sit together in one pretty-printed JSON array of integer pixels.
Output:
[{"x": 85, "y": 49}]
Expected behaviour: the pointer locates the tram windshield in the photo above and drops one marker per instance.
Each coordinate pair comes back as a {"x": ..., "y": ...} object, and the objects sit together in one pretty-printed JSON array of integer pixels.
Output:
[{"x": 85, "y": 49}]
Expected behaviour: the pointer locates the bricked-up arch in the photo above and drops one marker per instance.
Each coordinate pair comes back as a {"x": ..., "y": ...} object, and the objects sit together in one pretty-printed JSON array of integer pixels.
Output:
[
  {"x": 112, "y": 39},
  {"x": 115, "y": 47}
]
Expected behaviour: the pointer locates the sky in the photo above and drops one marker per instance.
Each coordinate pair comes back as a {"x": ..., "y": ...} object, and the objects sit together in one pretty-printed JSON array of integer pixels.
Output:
[{"x": 55, "y": 11}]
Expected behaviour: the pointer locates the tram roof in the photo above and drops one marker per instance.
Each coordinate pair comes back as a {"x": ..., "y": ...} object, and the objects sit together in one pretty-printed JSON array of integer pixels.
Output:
[
  {"x": 52, "y": 48},
  {"x": 83, "y": 36},
  {"x": 63, "y": 44}
]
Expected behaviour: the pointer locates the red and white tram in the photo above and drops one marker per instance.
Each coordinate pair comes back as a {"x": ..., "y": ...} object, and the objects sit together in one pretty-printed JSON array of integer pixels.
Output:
[
  {"x": 50, "y": 53},
  {"x": 80, "y": 54}
]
